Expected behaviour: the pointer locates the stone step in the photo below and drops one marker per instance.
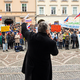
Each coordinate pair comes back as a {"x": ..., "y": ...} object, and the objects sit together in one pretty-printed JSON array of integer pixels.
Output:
[
  {"x": 56, "y": 68},
  {"x": 12, "y": 77},
  {"x": 56, "y": 76},
  {"x": 66, "y": 68},
  {"x": 60, "y": 72}
]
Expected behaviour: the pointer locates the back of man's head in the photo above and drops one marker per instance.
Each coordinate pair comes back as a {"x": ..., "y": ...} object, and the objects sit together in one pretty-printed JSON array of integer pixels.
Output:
[
  {"x": 41, "y": 20},
  {"x": 43, "y": 26}
]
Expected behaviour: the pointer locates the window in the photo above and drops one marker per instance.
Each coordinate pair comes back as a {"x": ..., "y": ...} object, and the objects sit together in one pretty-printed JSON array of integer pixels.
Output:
[
  {"x": 41, "y": 10},
  {"x": 74, "y": 0},
  {"x": 64, "y": 0},
  {"x": 53, "y": 10},
  {"x": 41, "y": 0},
  {"x": 64, "y": 10},
  {"x": 8, "y": 7},
  {"x": 24, "y": 7},
  {"x": 53, "y": 0},
  {"x": 74, "y": 10}
]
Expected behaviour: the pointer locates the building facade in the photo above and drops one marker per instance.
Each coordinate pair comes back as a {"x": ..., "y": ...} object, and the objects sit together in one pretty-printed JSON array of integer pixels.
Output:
[
  {"x": 16, "y": 10},
  {"x": 55, "y": 10}
]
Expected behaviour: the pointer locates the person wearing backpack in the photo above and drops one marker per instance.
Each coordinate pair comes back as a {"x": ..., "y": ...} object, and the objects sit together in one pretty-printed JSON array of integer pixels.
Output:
[{"x": 67, "y": 41}]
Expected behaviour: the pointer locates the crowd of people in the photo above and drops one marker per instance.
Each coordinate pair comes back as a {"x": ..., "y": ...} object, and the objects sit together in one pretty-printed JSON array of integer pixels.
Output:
[
  {"x": 66, "y": 37},
  {"x": 12, "y": 38},
  {"x": 63, "y": 39}
]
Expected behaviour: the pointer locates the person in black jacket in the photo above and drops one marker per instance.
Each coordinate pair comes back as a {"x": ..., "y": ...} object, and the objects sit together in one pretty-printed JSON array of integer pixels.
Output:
[
  {"x": 12, "y": 40},
  {"x": 74, "y": 39},
  {"x": 9, "y": 40},
  {"x": 37, "y": 61}
]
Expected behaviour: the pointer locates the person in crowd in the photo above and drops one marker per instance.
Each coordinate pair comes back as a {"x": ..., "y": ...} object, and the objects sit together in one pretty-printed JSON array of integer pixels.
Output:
[
  {"x": 12, "y": 40},
  {"x": 60, "y": 40},
  {"x": 54, "y": 36},
  {"x": 74, "y": 39},
  {"x": 21, "y": 39},
  {"x": 77, "y": 43},
  {"x": 1, "y": 39},
  {"x": 71, "y": 37},
  {"x": 9, "y": 40},
  {"x": 37, "y": 61},
  {"x": 69, "y": 32},
  {"x": 62, "y": 30},
  {"x": 4, "y": 41},
  {"x": 17, "y": 39},
  {"x": 64, "y": 35},
  {"x": 67, "y": 41}
]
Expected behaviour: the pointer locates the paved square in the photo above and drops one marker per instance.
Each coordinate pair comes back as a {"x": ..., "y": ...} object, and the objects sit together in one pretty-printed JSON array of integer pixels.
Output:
[{"x": 66, "y": 65}]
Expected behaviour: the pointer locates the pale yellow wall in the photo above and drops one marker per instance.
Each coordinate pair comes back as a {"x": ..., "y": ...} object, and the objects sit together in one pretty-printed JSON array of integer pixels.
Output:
[
  {"x": 47, "y": 4},
  {"x": 59, "y": 4}
]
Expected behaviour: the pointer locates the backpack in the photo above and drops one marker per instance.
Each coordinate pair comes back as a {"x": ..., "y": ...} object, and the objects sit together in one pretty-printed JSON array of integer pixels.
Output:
[
  {"x": 20, "y": 48},
  {"x": 67, "y": 38}
]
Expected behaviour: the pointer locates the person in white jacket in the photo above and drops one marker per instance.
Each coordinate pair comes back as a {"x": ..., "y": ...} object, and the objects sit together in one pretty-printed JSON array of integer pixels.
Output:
[
  {"x": 79, "y": 38},
  {"x": 17, "y": 39}
]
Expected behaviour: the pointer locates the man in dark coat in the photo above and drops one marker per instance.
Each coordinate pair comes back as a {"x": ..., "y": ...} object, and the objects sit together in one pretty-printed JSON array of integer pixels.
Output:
[
  {"x": 37, "y": 61},
  {"x": 74, "y": 39}
]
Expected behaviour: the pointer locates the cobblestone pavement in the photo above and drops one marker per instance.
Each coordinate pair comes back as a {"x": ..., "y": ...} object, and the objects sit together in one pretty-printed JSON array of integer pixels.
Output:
[{"x": 66, "y": 65}]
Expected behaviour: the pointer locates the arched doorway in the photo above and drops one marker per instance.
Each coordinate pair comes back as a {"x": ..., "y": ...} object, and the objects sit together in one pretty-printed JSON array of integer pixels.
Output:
[{"x": 8, "y": 21}]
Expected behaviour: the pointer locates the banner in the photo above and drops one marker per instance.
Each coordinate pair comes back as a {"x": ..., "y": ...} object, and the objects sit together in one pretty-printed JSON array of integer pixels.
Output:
[
  {"x": 75, "y": 25},
  {"x": 5, "y": 28},
  {"x": 56, "y": 28},
  {"x": 70, "y": 26},
  {"x": 28, "y": 20},
  {"x": 79, "y": 39}
]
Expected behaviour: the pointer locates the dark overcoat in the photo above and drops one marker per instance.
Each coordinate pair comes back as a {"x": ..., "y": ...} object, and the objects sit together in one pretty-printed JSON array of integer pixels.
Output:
[{"x": 37, "y": 61}]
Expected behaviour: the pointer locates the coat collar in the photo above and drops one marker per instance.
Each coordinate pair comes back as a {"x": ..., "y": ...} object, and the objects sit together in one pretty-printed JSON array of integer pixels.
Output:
[{"x": 42, "y": 33}]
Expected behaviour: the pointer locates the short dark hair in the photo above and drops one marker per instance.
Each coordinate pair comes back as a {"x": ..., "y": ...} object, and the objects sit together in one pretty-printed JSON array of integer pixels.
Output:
[
  {"x": 41, "y": 20},
  {"x": 42, "y": 27}
]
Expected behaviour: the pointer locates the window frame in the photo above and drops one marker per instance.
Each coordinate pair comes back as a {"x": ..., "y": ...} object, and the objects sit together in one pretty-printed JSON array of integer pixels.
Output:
[
  {"x": 64, "y": 0},
  {"x": 41, "y": 0},
  {"x": 10, "y": 8},
  {"x": 44, "y": 10},
  {"x": 66, "y": 10},
  {"x": 53, "y": 0},
  {"x": 75, "y": 1},
  {"x": 55, "y": 11},
  {"x": 21, "y": 7},
  {"x": 72, "y": 10}
]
